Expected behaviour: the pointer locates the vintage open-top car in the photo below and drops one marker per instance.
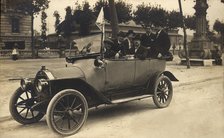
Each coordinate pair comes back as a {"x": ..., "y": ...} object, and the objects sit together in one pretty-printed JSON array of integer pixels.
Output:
[{"x": 88, "y": 80}]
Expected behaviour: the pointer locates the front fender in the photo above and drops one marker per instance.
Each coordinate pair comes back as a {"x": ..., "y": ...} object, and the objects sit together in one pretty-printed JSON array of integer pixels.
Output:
[{"x": 92, "y": 95}]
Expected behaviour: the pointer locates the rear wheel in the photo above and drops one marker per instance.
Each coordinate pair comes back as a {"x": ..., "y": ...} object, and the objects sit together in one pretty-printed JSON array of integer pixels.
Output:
[
  {"x": 163, "y": 92},
  {"x": 20, "y": 107},
  {"x": 67, "y": 112}
]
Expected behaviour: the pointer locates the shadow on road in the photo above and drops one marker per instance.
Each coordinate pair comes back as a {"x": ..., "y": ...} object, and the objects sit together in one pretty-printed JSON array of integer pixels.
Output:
[{"x": 96, "y": 115}]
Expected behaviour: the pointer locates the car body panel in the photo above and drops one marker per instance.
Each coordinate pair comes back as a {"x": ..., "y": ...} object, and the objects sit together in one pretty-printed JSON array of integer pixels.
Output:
[
  {"x": 115, "y": 75},
  {"x": 119, "y": 74},
  {"x": 145, "y": 69},
  {"x": 67, "y": 73},
  {"x": 94, "y": 76}
]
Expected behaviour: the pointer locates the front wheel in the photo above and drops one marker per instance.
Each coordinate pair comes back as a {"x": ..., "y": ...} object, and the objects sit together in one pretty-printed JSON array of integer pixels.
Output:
[
  {"x": 20, "y": 107},
  {"x": 67, "y": 112},
  {"x": 163, "y": 92}
]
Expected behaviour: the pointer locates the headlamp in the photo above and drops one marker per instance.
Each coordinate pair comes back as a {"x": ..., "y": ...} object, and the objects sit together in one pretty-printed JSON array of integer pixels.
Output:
[
  {"x": 25, "y": 83},
  {"x": 40, "y": 84}
]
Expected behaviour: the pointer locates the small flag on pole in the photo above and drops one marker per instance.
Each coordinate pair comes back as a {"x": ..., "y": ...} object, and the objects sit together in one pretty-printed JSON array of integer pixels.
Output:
[{"x": 100, "y": 20}]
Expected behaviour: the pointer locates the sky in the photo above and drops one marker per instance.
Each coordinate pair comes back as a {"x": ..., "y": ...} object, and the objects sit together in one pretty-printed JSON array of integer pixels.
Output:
[{"x": 215, "y": 11}]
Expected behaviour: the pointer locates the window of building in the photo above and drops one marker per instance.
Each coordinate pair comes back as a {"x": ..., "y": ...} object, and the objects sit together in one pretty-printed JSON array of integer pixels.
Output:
[
  {"x": 15, "y": 25},
  {"x": 11, "y": 45}
]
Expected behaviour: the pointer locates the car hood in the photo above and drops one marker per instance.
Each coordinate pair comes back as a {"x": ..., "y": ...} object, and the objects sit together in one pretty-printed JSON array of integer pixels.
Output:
[{"x": 67, "y": 73}]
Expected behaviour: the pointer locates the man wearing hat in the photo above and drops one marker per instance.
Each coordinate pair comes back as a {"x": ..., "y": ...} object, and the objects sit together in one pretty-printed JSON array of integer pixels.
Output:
[
  {"x": 148, "y": 40},
  {"x": 130, "y": 36},
  {"x": 111, "y": 48},
  {"x": 140, "y": 51},
  {"x": 125, "y": 42},
  {"x": 122, "y": 43}
]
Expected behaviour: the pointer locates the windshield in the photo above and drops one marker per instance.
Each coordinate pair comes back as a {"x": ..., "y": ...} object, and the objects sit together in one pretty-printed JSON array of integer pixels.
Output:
[{"x": 87, "y": 45}]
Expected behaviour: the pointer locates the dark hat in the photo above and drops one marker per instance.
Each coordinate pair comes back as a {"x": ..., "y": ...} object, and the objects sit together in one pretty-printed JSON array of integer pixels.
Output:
[
  {"x": 130, "y": 32},
  {"x": 109, "y": 41},
  {"x": 121, "y": 34}
]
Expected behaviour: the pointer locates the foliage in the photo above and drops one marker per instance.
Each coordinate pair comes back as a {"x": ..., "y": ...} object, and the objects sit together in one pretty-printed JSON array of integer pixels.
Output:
[
  {"x": 174, "y": 19},
  {"x": 150, "y": 15},
  {"x": 43, "y": 26},
  {"x": 57, "y": 19},
  {"x": 142, "y": 15},
  {"x": 84, "y": 18},
  {"x": 219, "y": 27},
  {"x": 190, "y": 22},
  {"x": 124, "y": 10},
  {"x": 32, "y": 7},
  {"x": 66, "y": 26},
  {"x": 78, "y": 19}
]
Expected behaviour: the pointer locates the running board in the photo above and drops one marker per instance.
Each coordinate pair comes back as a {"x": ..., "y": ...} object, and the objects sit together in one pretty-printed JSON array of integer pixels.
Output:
[{"x": 130, "y": 99}]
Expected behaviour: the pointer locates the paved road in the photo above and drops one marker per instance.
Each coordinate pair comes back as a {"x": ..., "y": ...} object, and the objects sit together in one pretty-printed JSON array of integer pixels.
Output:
[{"x": 196, "y": 111}]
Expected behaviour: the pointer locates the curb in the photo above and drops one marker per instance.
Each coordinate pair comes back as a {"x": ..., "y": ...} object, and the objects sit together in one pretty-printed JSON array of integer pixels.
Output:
[{"x": 197, "y": 81}]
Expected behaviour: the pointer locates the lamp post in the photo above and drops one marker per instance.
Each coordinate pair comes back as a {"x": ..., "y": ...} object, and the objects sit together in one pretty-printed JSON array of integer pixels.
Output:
[{"x": 185, "y": 36}]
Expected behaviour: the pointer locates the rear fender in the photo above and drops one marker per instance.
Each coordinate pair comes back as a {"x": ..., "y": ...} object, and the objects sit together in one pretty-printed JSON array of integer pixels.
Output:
[
  {"x": 170, "y": 76},
  {"x": 153, "y": 79}
]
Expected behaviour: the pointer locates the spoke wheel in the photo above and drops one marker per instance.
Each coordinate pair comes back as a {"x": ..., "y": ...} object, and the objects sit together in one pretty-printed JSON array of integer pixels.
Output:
[
  {"x": 20, "y": 107},
  {"x": 163, "y": 92},
  {"x": 67, "y": 112}
]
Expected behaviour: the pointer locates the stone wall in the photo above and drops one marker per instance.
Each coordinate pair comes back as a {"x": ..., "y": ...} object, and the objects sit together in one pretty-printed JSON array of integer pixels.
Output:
[{"x": 52, "y": 53}]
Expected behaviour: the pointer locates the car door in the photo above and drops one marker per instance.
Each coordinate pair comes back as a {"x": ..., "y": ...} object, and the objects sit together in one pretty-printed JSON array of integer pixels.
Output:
[
  {"x": 119, "y": 73},
  {"x": 141, "y": 72}
]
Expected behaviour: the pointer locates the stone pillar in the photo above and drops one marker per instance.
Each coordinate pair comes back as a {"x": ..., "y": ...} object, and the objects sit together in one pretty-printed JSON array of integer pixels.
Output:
[
  {"x": 201, "y": 8},
  {"x": 200, "y": 46}
]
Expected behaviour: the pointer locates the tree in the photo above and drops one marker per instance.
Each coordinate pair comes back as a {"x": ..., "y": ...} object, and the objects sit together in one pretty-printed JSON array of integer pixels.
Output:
[
  {"x": 84, "y": 18},
  {"x": 124, "y": 10},
  {"x": 190, "y": 22},
  {"x": 142, "y": 15},
  {"x": 43, "y": 27},
  {"x": 32, "y": 7},
  {"x": 150, "y": 15},
  {"x": 174, "y": 19},
  {"x": 219, "y": 27},
  {"x": 57, "y": 19},
  {"x": 67, "y": 27}
]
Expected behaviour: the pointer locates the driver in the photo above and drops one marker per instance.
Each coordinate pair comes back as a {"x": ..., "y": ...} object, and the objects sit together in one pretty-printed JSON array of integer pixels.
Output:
[{"x": 111, "y": 48}]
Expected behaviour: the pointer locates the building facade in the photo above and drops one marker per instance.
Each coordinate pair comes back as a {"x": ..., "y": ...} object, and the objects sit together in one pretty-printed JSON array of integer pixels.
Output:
[{"x": 15, "y": 28}]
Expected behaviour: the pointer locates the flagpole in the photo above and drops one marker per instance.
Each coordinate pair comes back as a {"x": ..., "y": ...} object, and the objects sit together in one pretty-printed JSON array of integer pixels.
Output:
[
  {"x": 100, "y": 22},
  {"x": 102, "y": 40}
]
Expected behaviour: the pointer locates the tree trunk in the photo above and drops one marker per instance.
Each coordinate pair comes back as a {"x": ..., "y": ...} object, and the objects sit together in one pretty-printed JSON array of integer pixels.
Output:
[
  {"x": 185, "y": 36},
  {"x": 32, "y": 37},
  {"x": 114, "y": 19}
]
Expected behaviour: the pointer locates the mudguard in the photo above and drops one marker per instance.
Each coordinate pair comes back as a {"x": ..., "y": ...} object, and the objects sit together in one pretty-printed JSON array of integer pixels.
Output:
[{"x": 153, "y": 79}]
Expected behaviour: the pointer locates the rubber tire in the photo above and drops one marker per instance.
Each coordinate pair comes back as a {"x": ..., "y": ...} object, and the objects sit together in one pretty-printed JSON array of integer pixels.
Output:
[
  {"x": 155, "y": 100},
  {"x": 16, "y": 115},
  {"x": 52, "y": 104}
]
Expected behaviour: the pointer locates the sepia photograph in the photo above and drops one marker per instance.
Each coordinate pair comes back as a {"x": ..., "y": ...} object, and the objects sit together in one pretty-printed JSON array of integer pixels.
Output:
[{"x": 112, "y": 68}]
